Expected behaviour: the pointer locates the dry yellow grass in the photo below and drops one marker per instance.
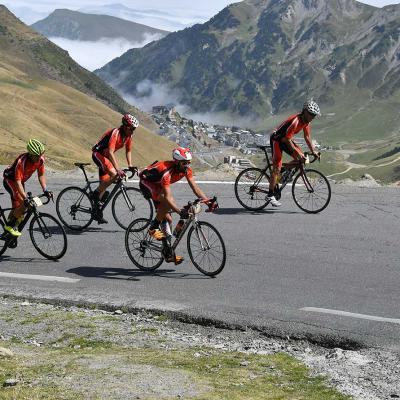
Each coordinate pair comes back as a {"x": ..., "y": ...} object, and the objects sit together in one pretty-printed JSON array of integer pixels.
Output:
[{"x": 66, "y": 120}]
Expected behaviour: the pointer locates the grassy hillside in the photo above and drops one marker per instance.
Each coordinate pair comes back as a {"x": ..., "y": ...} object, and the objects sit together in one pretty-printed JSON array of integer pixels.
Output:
[{"x": 41, "y": 97}]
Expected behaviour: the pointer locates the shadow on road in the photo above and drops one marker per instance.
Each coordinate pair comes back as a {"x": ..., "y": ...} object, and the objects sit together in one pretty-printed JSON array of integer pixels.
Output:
[
  {"x": 26, "y": 259},
  {"x": 89, "y": 230},
  {"x": 131, "y": 274},
  {"x": 234, "y": 211}
]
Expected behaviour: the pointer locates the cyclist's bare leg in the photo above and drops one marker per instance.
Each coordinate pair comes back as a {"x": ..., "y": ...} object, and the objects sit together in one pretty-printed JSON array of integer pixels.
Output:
[
  {"x": 273, "y": 179},
  {"x": 105, "y": 183}
]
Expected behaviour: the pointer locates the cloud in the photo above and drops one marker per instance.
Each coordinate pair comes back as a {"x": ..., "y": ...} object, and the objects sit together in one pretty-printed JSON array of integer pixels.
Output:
[
  {"x": 151, "y": 94},
  {"x": 95, "y": 54}
]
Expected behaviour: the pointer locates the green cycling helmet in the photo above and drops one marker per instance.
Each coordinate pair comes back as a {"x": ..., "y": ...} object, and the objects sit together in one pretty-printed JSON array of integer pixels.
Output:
[{"x": 35, "y": 147}]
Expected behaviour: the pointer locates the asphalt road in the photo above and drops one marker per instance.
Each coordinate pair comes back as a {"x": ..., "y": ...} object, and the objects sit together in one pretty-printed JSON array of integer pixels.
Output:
[{"x": 332, "y": 278}]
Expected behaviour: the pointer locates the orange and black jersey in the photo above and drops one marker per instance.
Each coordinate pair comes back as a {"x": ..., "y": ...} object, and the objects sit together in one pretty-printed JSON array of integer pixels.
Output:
[
  {"x": 113, "y": 140},
  {"x": 164, "y": 173},
  {"x": 290, "y": 127},
  {"x": 23, "y": 168}
]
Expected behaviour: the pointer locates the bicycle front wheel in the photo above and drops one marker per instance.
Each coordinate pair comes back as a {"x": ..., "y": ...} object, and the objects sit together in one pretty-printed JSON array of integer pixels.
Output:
[
  {"x": 48, "y": 236},
  {"x": 143, "y": 250},
  {"x": 311, "y": 191},
  {"x": 74, "y": 208},
  {"x": 3, "y": 243},
  {"x": 129, "y": 204},
  {"x": 206, "y": 248},
  {"x": 251, "y": 189}
]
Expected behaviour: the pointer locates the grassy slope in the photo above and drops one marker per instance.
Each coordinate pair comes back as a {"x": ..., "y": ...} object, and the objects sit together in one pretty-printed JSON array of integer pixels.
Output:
[{"x": 68, "y": 121}]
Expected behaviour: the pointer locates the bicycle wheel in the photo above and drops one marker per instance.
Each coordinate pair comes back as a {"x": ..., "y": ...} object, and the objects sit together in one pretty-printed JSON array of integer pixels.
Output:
[
  {"x": 127, "y": 208},
  {"x": 74, "y": 208},
  {"x": 251, "y": 189},
  {"x": 143, "y": 250},
  {"x": 3, "y": 243},
  {"x": 312, "y": 192},
  {"x": 48, "y": 236},
  {"x": 206, "y": 248}
]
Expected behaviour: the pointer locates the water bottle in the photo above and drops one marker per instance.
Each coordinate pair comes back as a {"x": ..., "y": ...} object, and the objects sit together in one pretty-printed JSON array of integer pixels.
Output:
[{"x": 178, "y": 227}]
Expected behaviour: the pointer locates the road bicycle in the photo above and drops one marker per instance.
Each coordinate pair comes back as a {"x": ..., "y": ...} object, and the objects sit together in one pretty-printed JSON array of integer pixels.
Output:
[
  {"x": 75, "y": 205},
  {"x": 46, "y": 233},
  {"x": 311, "y": 190},
  {"x": 205, "y": 245}
]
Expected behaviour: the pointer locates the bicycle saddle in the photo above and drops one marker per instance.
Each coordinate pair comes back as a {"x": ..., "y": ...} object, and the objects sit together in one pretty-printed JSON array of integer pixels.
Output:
[{"x": 81, "y": 165}]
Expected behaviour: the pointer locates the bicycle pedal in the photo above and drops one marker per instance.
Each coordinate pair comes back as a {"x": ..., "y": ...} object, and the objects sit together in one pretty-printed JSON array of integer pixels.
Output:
[{"x": 13, "y": 244}]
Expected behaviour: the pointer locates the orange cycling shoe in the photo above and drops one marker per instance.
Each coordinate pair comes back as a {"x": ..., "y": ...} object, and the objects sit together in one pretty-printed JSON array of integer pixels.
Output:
[{"x": 157, "y": 234}]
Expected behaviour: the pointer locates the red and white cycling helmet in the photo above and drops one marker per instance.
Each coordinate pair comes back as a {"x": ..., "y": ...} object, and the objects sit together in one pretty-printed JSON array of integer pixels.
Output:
[
  {"x": 130, "y": 120},
  {"x": 312, "y": 107},
  {"x": 181, "y": 154}
]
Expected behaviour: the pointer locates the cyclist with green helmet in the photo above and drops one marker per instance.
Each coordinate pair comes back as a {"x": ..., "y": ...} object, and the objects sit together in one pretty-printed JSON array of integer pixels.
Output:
[{"x": 15, "y": 177}]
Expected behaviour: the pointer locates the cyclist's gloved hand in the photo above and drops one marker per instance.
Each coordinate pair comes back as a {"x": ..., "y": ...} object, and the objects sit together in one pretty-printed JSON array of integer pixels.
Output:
[
  {"x": 134, "y": 170},
  {"x": 212, "y": 205},
  {"x": 48, "y": 194},
  {"x": 121, "y": 173},
  {"x": 184, "y": 213}
]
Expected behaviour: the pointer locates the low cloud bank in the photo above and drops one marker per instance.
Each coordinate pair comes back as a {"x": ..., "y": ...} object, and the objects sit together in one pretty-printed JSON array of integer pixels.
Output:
[
  {"x": 95, "y": 54},
  {"x": 151, "y": 94}
]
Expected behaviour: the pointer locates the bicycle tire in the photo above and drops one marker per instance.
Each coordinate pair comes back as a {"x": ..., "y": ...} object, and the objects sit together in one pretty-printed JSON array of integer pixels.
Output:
[
  {"x": 307, "y": 201},
  {"x": 142, "y": 208},
  {"x": 55, "y": 229},
  {"x": 245, "y": 189},
  {"x": 3, "y": 243},
  {"x": 137, "y": 241},
  {"x": 214, "y": 239},
  {"x": 78, "y": 204}
]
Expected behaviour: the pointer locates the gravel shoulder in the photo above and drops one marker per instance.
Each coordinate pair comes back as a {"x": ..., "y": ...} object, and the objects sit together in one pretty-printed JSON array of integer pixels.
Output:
[{"x": 91, "y": 353}]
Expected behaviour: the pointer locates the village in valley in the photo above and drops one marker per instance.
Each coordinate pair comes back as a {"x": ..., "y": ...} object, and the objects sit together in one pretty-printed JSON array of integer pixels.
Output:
[{"x": 213, "y": 143}]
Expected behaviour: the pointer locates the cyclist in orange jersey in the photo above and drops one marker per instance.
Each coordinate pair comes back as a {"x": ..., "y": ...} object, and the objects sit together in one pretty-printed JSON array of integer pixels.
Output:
[
  {"x": 15, "y": 177},
  {"x": 155, "y": 182},
  {"x": 103, "y": 156},
  {"x": 282, "y": 141}
]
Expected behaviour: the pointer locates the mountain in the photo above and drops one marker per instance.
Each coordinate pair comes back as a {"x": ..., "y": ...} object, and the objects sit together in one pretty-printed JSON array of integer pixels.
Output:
[
  {"x": 46, "y": 95},
  {"x": 92, "y": 27},
  {"x": 265, "y": 57}
]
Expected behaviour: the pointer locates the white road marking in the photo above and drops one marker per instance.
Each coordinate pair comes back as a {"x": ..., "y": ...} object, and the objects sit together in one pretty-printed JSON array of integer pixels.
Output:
[
  {"x": 350, "y": 314},
  {"x": 38, "y": 277}
]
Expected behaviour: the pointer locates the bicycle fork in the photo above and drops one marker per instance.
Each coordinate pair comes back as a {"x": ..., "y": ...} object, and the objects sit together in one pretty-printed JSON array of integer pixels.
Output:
[{"x": 205, "y": 245}]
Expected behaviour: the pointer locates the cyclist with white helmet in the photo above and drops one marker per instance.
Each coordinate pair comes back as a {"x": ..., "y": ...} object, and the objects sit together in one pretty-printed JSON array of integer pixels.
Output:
[
  {"x": 15, "y": 177},
  {"x": 155, "y": 182},
  {"x": 103, "y": 156},
  {"x": 282, "y": 141}
]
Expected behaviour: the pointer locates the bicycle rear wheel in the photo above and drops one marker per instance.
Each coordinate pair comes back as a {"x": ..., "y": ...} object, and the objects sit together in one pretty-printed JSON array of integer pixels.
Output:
[
  {"x": 206, "y": 248},
  {"x": 127, "y": 208},
  {"x": 251, "y": 189},
  {"x": 74, "y": 208},
  {"x": 311, "y": 192},
  {"x": 143, "y": 250},
  {"x": 48, "y": 236}
]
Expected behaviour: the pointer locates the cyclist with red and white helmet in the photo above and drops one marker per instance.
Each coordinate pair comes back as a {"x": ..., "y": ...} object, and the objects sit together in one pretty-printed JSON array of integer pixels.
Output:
[
  {"x": 155, "y": 183},
  {"x": 282, "y": 141},
  {"x": 103, "y": 156}
]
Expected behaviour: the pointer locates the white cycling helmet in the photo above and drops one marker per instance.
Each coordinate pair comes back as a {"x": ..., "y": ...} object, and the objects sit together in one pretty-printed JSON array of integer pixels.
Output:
[
  {"x": 181, "y": 154},
  {"x": 130, "y": 120},
  {"x": 312, "y": 107}
]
